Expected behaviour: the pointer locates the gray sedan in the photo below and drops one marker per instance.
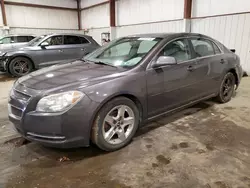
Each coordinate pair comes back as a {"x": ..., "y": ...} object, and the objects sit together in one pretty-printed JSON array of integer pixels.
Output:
[
  {"x": 46, "y": 50},
  {"x": 113, "y": 91}
]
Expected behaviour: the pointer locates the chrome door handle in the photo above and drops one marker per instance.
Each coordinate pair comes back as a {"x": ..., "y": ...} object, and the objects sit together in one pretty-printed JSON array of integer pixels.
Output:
[
  {"x": 190, "y": 68},
  {"x": 82, "y": 49},
  {"x": 60, "y": 50},
  {"x": 222, "y": 61}
]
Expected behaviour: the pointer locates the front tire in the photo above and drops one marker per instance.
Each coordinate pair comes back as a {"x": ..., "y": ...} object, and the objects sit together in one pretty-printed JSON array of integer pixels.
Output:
[
  {"x": 227, "y": 88},
  {"x": 20, "y": 66},
  {"x": 115, "y": 124}
]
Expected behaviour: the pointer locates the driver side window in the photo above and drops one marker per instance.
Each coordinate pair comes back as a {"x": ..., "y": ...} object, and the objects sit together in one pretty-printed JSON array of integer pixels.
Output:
[
  {"x": 54, "y": 40},
  {"x": 179, "y": 49}
]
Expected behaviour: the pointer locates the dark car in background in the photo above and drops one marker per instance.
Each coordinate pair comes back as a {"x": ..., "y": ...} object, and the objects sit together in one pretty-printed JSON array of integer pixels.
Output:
[
  {"x": 46, "y": 50},
  {"x": 119, "y": 87}
]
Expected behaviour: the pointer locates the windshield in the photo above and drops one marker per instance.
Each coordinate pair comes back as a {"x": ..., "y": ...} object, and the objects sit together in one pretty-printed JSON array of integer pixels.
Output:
[
  {"x": 36, "y": 40},
  {"x": 125, "y": 52}
]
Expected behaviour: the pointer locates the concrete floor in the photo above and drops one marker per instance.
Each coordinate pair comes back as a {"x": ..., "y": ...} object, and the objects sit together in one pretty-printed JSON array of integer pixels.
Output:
[{"x": 207, "y": 146}]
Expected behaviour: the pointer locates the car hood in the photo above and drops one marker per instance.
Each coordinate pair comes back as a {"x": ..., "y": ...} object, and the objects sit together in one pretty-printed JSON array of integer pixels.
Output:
[{"x": 77, "y": 72}]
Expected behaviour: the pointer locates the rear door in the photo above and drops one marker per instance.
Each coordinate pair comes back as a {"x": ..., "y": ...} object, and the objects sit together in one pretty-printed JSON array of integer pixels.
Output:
[
  {"x": 74, "y": 47},
  {"x": 21, "y": 40},
  {"x": 171, "y": 86},
  {"x": 209, "y": 66}
]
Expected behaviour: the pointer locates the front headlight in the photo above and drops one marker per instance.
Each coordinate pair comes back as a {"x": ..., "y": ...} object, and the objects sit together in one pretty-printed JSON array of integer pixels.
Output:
[{"x": 59, "y": 102}]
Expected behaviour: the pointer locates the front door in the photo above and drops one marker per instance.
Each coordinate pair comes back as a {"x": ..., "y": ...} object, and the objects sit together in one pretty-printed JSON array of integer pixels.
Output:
[
  {"x": 50, "y": 54},
  {"x": 170, "y": 86}
]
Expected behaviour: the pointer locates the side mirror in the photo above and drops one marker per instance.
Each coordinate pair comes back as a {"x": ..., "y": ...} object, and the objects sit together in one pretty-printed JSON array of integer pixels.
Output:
[
  {"x": 164, "y": 60},
  {"x": 44, "y": 44},
  {"x": 1, "y": 42}
]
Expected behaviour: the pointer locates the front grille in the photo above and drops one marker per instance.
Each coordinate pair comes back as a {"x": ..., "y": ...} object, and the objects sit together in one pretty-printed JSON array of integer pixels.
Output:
[
  {"x": 21, "y": 95},
  {"x": 15, "y": 111}
]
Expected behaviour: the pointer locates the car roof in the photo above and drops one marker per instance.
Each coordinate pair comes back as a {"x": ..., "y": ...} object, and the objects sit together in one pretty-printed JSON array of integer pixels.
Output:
[
  {"x": 74, "y": 34},
  {"x": 166, "y": 35}
]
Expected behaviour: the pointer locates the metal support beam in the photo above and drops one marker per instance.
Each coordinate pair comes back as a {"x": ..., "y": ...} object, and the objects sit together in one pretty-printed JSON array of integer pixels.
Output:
[
  {"x": 79, "y": 14},
  {"x": 187, "y": 9},
  {"x": 37, "y": 6},
  {"x": 112, "y": 13},
  {"x": 3, "y": 13},
  {"x": 187, "y": 15}
]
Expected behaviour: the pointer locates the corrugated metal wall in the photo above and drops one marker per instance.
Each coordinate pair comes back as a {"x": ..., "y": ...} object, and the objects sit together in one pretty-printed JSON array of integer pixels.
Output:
[
  {"x": 87, "y": 3},
  {"x": 161, "y": 27},
  {"x": 140, "y": 16},
  {"x": 60, "y": 3},
  {"x": 37, "y": 21},
  {"x": 231, "y": 30},
  {"x": 40, "y": 18},
  {"x": 96, "y": 17}
]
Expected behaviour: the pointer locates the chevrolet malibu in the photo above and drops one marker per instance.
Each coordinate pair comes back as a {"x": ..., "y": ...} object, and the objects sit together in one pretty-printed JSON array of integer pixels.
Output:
[{"x": 108, "y": 95}]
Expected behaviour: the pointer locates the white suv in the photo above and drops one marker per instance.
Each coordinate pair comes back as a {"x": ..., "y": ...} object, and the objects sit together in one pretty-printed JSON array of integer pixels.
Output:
[{"x": 12, "y": 41}]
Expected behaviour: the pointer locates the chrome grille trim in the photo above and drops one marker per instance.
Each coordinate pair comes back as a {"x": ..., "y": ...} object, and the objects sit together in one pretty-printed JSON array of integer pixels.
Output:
[
  {"x": 13, "y": 115},
  {"x": 46, "y": 137}
]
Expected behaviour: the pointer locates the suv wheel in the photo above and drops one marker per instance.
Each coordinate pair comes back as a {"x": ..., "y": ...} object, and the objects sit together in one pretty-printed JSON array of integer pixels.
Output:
[
  {"x": 20, "y": 66},
  {"x": 227, "y": 88},
  {"x": 115, "y": 124}
]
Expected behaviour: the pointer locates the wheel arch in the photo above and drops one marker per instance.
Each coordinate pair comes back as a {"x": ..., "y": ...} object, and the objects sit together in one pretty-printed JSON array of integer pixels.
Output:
[
  {"x": 237, "y": 81},
  {"x": 22, "y": 55},
  {"x": 126, "y": 95}
]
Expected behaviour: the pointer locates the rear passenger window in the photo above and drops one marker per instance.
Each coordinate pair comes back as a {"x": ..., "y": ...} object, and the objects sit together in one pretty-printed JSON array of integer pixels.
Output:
[
  {"x": 30, "y": 38},
  {"x": 216, "y": 49},
  {"x": 202, "y": 47},
  {"x": 83, "y": 40},
  {"x": 71, "y": 40},
  {"x": 22, "y": 39}
]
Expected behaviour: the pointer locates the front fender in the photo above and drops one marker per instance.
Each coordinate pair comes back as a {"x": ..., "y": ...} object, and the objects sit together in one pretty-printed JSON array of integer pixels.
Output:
[{"x": 11, "y": 55}]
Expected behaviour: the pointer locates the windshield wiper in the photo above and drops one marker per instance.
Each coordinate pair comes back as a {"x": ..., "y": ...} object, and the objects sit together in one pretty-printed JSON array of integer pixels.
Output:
[{"x": 102, "y": 63}]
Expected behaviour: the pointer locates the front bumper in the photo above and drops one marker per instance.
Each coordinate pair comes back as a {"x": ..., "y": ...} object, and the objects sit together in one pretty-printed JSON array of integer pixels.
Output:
[
  {"x": 3, "y": 63},
  {"x": 62, "y": 130}
]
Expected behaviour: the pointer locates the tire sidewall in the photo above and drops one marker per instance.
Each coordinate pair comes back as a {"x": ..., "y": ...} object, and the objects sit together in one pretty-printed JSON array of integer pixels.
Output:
[
  {"x": 97, "y": 132},
  {"x": 11, "y": 64},
  {"x": 221, "y": 97}
]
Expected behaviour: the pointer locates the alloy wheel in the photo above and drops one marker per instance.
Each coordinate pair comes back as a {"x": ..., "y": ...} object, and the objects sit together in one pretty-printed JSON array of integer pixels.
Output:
[
  {"x": 118, "y": 124},
  {"x": 21, "y": 67}
]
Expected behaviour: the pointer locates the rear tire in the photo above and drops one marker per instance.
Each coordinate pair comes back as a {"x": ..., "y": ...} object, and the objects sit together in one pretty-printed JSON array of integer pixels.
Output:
[
  {"x": 115, "y": 124},
  {"x": 20, "y": 66},
  {"x": 226, "y": 88}
]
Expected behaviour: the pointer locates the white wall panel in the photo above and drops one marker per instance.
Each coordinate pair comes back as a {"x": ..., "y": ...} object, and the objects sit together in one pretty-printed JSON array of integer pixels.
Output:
[
  {"x": 233, "y": 31},
  {"x": 217, "y": 7},
  {"x": 87, "y": 3},
  {"x": 19, "y": 16},
  {"x": 59, "y": 3},
  {"x": 37, "y": 32},
  {"x": 162, "y": 27},
  {"x": 141, "y": 11},
  {"x": 96, "y": 17}
]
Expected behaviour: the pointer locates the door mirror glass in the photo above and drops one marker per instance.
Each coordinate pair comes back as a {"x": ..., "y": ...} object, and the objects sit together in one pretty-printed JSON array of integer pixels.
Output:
[
  {"x": 44, "y": 44},
  {"x": 164, "y": 60}
]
